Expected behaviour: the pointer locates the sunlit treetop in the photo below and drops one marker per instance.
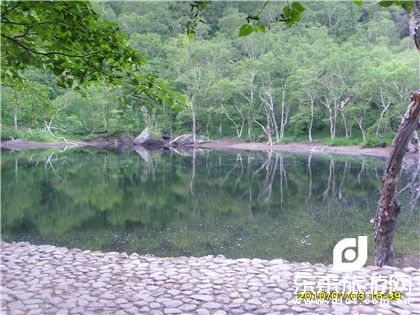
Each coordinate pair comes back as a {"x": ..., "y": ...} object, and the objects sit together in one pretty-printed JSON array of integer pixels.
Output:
[{"x": 76, "y": 44}]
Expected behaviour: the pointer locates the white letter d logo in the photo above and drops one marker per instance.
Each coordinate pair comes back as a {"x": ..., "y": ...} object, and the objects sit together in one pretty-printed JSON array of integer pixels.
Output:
[{"x": 352, "y": 261}]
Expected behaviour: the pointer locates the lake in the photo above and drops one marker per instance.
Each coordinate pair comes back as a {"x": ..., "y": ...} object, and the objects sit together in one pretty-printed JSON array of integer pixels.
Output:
[{"x": 237, "y": 204}]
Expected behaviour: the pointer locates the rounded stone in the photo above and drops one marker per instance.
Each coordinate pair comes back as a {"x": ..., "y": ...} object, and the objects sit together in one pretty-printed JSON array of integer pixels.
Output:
[{"x": 202, "y": 297}]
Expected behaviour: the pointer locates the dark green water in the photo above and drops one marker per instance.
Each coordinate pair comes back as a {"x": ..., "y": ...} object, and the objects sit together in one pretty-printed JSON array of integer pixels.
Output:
[{"x": 282, "y": 205}]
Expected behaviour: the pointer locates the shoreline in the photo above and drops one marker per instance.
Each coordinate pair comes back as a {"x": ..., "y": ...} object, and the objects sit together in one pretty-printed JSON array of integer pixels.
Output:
[
  {"x": 226, "y": 144},
  {"x": 58, "y": 280},
  {"x": 297, "y": 147},
  {"x": 21, "y": 144}
]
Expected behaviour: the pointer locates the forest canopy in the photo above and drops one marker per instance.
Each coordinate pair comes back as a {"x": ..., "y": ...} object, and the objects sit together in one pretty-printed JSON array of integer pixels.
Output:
[{"x": 343, "y": 73}]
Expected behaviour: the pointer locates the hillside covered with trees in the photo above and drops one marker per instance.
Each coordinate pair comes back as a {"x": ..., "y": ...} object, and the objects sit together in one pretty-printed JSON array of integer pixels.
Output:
[{"x": 342, "y": 75}]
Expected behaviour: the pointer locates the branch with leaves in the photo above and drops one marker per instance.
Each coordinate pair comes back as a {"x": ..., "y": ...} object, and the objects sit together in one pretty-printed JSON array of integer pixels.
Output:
[{"x": 76, "y": 44}]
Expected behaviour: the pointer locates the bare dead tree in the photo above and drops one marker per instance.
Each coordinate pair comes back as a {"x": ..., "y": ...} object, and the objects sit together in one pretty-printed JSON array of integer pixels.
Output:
[{"x": 268, "y": 100}]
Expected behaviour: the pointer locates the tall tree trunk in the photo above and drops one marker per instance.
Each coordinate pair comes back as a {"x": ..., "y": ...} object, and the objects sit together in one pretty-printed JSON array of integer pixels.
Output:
[
  {"x": 271, "y": 115},
  {"x": 207, "y": 126},
  {"x": 346, "y": 129},
  {"x": 332, "y": 125},
  {"x": 284, "y": 114},
  {"x": 311, "y": 122},
  {"x": 194, "y": 132},
  {"x": 385, "y": 220},
  {"x": 414, "y": 24},
  {"x": 250, "y": 128},
  {"x": 360, "y": 124},
  {"x": 15, "y": 117},
  {"x": 270, "y": 136}
]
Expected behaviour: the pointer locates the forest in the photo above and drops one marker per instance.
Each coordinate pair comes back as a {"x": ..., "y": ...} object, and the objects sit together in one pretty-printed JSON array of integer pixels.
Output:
[
  {"x": 343, "y": 75},
  {"x": 210, "y": 157}
]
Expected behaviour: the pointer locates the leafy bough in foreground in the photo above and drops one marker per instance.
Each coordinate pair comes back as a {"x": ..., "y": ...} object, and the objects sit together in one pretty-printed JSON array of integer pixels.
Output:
[{"x": 77, "y": 45}]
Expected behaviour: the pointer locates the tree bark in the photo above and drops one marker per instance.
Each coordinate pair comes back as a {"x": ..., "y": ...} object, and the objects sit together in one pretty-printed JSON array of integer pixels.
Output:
[
  {"x": 15, "y": 111},
  {"x": 360, "y": 124},
  {"x": 385, "y": 220},
  {"x": 15, "y": 118},
  {"x": 346, "y": 129},
  {"x": 284, "y": 112},
  {"x": 414, "y": 24},
  {"x": 207, "y": 126},
  {"x": 311, "y": 122},
  {"x": 271, "y": 116},
  {"x": 194, "y": 132}
]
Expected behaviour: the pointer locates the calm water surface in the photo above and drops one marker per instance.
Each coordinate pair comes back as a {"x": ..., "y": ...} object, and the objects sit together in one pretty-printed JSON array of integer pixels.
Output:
[{"x": 258, "y": 204}]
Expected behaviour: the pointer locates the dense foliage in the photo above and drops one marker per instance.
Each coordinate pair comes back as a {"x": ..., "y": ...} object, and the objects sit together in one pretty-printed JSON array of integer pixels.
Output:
[
  {"x": 73, "y": 42},
  {"x": 343, "y": 72}
]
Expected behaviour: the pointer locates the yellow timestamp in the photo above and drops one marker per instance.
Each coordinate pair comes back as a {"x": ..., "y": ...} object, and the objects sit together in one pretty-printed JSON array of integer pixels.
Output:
[
  {"x": 353, "y": 296},
  {"x": 391, "y": 296}
]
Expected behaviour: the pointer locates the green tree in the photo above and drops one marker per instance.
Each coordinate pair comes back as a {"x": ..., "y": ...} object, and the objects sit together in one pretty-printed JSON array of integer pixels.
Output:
[
  {"x": 75, "y": 43},
  {"x": 27, "y": 105}
]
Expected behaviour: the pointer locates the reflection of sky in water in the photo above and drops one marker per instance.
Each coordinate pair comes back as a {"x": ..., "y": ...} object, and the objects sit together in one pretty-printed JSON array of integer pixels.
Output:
[{"x": 262, "y": 205}]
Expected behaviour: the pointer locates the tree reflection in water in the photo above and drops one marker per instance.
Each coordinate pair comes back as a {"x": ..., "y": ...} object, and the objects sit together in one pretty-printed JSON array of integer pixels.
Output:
[{"x": 239, "y": 204}]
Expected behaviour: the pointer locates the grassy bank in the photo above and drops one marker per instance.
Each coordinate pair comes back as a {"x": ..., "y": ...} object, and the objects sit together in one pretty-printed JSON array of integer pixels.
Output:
[
  {"x": 371, "y": 141},
  {"x": 356, "y": 139},
  {"x": 41, "y": 135}
]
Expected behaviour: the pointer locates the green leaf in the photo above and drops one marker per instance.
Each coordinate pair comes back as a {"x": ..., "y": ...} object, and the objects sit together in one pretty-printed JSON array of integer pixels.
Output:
[
  {"x": 292, "y": 14},
  {"x": 386, "y": 3},
  {"x": 286, "y": 11},
  {"x": 191, "y": 35},
  {"x": 407, "y": 5},
  {"x": 245, "y": 30},
  {"x": 202, "y": 5},
  {"x": 261, "y": 27},
  {"x": 358, "y": 2},
  {"x": 295, "y": 16},
  {"x": 298, "y": 7}
]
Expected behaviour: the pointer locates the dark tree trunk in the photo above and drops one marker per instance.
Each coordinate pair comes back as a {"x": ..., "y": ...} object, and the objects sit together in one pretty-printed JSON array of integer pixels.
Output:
[
  {"x": 385, "y": 220},
  {"x": 414, "y": 24}
]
